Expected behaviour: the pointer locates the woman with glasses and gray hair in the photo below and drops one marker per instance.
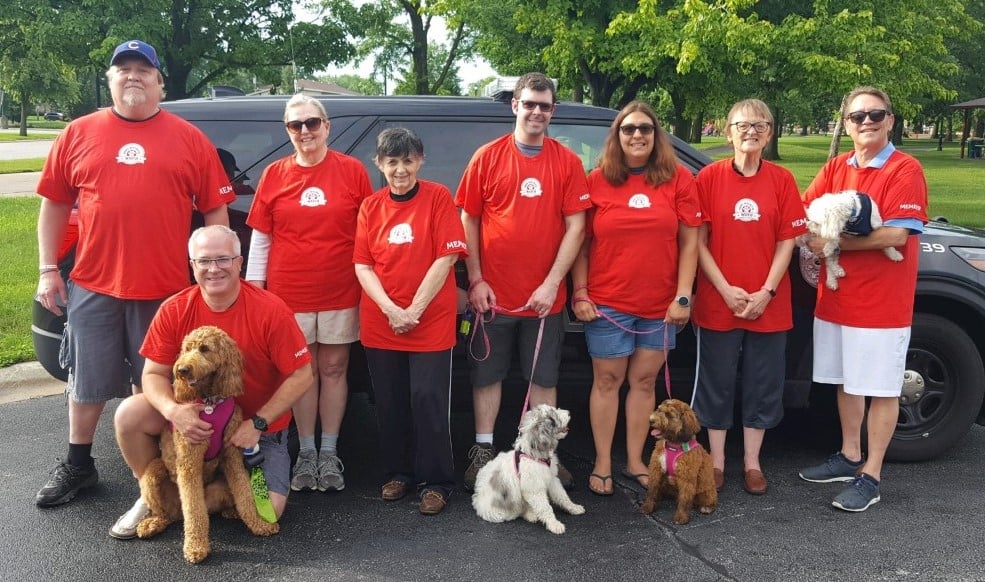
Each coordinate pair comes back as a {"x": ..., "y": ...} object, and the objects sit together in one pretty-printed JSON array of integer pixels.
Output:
[
  {"x": 304, "y": 227},
  {"x": 751, "y": 214},
  {"x": 408, "y": 238},
  {"x": 633, "y": 279}
]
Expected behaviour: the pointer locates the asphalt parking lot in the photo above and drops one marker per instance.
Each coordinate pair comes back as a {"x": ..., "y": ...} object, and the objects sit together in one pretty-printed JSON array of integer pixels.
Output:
[{"x": 927, "y": 527}]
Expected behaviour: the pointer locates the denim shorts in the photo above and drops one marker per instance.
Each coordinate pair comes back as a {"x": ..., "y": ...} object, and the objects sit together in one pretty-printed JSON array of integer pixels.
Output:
[
  {"x": 606, "y": 340},
  {"x": 276, "y": 461}
]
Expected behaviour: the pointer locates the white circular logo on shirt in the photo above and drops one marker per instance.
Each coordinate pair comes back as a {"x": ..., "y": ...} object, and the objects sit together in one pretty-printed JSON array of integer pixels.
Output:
[
  {"x": 401, "y": 234},
  {"x": 639, "y": 201},
  {"x": 131, "y": 154},
  {"x": 746, "y": 210},
  {"x": 313, "y": 196},
  {"x": 530, "y": 188}
]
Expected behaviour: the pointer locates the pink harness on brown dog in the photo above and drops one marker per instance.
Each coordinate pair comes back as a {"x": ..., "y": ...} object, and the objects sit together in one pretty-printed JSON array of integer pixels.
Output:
[{"x": 673, "y": 451}]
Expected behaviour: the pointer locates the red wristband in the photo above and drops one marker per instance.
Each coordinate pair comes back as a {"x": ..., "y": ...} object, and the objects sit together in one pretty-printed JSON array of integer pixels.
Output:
[{"x": 476, "y": 282}]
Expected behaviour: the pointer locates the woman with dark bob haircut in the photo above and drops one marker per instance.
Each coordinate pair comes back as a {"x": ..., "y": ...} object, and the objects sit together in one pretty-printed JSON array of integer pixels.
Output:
[
  {"x": 632, "y": 279},
  {"x": 408, "y": 237}
]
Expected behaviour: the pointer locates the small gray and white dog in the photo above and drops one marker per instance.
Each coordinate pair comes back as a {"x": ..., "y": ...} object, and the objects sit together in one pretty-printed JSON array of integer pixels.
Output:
[
  {"x": 831, "y": 214},
  {"x": 523, "y": 482}
]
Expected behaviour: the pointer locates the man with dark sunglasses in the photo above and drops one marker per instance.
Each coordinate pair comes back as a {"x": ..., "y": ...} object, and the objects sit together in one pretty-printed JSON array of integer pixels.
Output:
[
  {"x": 861, "y": 330},
  {"x": 523, "y": 198},
  {"x": 136, "y": 173}
]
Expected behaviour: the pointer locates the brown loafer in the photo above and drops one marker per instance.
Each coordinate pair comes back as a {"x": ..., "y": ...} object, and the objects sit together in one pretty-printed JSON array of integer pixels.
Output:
[
  {"x": 754, "y": 482},
  {"x": 719, "y": 479},
  {"x": 432, "y": 502},
  {"x": 394, "y": 490}
]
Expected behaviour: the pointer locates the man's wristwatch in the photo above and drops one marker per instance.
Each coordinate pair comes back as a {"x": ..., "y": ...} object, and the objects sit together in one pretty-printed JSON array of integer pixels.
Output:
[
  {"x": 260, "y": 423},
  {"x": 683, "y": 301}
]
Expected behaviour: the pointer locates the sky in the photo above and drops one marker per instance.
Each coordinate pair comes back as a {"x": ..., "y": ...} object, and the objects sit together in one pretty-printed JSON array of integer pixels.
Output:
[{"x": 468, "y": 71}]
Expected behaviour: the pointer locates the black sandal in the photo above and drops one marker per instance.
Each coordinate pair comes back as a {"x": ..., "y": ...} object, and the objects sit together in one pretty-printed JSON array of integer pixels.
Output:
[{"x": 603, "y": 479}]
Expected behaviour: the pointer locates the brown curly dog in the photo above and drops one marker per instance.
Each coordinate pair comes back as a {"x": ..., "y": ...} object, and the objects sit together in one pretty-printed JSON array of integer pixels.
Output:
[
  {"x": 679, "y": 466},
  {"x": 185, "y": 482}
]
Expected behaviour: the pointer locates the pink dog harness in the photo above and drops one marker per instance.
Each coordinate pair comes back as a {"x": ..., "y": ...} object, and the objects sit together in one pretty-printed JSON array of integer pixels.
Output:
[
  {"x": 673, "y": 451},
  {"x": 217, "y": 414}
]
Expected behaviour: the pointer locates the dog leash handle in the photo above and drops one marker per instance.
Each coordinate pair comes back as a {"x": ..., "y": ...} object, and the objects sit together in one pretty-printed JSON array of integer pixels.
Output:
[{"x": 253, "y": 458}]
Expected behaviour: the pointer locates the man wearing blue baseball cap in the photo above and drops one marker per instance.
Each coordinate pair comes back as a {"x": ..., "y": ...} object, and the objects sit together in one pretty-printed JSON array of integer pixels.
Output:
[{"x": 136, "y": 173}]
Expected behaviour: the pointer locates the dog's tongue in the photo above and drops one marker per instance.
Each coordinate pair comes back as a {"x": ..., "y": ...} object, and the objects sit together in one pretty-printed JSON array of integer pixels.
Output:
[{"x": 655, "y": 433}]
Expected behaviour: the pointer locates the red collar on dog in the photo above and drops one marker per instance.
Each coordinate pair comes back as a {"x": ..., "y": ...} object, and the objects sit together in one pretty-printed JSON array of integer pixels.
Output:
[
  {"x": 516, "y": 460},
  {"x": 673, "y": 451}
]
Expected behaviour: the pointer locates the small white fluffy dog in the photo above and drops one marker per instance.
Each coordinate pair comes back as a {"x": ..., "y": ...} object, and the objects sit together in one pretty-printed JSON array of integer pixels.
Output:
[
  {"x": 827, "y": 217},
  {"x": 523, "y": 481}
]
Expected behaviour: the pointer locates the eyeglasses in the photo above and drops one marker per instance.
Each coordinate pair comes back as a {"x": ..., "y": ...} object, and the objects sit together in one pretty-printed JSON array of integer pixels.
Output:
[
  {"x": 643, "y": 128},
  {"x": 858, "y": 117},
  {"x": 312, "y": 123},
  {"x": 759, "y": 126},
  {"x": 221, "y": 262},
  {"x": 531, "y": 105}
]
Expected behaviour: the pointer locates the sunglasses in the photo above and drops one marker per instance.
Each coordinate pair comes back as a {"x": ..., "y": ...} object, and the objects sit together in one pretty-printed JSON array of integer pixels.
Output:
[
  {"x": 858, "y": 117},
  {"x": 644, "y": 128},
  {"x": 531, "y": 105},
  {"x": 312, "y": 123}
]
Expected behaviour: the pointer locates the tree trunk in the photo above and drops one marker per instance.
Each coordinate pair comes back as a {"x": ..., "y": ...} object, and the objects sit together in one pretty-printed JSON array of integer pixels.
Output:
[
  {"x": 697, "y": 124},
  {"x": 835, "y": 139},
  {"x": 23, "y": 126},
  {"x": 772, "y": 151}
]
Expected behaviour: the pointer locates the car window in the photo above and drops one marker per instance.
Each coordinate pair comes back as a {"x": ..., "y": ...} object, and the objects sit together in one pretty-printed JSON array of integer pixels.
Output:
[
  {"x": 448, "y": 146},
  {"x": 585, "y": 140}
]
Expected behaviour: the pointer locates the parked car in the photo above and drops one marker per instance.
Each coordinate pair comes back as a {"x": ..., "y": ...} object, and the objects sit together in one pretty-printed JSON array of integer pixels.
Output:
[
  {"x": 55, "y": 116},
  {"x": 945, "y": 378}
]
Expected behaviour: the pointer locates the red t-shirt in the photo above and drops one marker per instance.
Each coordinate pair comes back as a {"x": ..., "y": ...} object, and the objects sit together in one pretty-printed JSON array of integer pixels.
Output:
[
  {"x": 136, "y": 184},
  {"x": 632, "y": 225},
  {"x": 875, "y": 291},
  {"x": 522, "y": 203},
  {"x": 310, "y": 215},
  {"x": 747, "y": 217},
  {"x": 401, "y": 240},
  {"x": 261, "y": 325}
]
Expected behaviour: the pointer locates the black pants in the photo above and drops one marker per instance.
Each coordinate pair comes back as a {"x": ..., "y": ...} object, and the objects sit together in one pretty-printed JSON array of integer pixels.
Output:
[{"x": 413, "y": 401}]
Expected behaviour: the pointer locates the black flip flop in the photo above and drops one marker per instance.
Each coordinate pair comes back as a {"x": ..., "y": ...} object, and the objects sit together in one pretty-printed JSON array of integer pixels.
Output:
[
  {"x": 603, "y": 479},
  {"x": 636, "y": 477}
]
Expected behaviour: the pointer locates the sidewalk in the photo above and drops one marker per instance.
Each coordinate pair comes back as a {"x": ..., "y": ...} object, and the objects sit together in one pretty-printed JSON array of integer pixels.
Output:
[
  {"x": 27, "y": 380},
  {"x": 22, "y": 184}
]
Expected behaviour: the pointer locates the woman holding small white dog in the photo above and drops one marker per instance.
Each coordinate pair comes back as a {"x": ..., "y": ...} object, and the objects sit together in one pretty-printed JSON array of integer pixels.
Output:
[
  {"x": 752, "y": 212},
  {"x": 862, "y": 330},
  {"x": 644, "y": 212}
]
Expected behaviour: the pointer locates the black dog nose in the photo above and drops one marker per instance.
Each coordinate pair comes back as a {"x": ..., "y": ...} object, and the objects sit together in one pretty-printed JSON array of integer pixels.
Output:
[{"x": 184, "y": 371}]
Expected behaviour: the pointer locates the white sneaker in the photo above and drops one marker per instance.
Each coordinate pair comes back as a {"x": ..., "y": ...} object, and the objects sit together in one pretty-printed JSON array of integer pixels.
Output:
[{"x": 125, "y": 528}]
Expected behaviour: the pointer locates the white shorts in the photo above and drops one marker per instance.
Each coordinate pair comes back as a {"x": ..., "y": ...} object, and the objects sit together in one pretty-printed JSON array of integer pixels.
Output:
[
  {"x": 330, "y": 327},
  {"x": 866, "y": 361}
]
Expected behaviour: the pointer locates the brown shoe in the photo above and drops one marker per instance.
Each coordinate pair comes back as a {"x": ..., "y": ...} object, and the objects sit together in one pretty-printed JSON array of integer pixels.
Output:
[
  {"x": 719, "y": 479},
  {"x": 432, "y": 502},
  {"x": 394, "y": 490},
  {"x": 754, "y": 482}
]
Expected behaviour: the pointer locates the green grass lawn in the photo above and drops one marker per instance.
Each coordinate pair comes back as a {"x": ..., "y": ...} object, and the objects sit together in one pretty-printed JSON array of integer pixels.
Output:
[
  {"x": 18, "y": 277},
  {"x": 955, "y": 184},
  {"x": 17, "y": 166}
]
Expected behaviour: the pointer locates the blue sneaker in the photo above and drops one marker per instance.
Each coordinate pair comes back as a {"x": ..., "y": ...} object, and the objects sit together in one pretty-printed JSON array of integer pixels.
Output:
[
  {"x": 862, "y": 492},
  {"x": 835, "y": 468}
]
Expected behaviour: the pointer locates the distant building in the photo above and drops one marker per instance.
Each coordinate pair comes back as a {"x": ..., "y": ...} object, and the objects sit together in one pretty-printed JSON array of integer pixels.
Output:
[{"x": 317, "y": 88}]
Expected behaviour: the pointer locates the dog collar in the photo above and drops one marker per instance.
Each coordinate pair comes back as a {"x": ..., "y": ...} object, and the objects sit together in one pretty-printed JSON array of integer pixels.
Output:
[{"x": 517, "y": 454}]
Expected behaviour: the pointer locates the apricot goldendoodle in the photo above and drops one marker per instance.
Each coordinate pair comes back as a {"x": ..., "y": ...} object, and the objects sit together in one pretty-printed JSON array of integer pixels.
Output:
[
  {"x": 679, "y": 466},
  {"x": 185, "y": 482}
]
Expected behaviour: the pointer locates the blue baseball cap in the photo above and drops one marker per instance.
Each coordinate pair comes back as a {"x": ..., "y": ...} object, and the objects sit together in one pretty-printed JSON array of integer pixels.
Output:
[{"x": 136, "y": 48}]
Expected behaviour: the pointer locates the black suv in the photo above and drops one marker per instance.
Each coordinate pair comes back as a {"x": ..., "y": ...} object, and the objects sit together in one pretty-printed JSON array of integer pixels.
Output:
[{"x": 945, "y": 378}]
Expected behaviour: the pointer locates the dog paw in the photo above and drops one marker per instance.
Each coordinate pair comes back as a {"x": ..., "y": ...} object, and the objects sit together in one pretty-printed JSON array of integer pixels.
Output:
[
  {"x": 682, "y": 518},
  {"x": 195, "y": 555},
  {"x": 648, "y": 507},
  {"x": 265, "y": 529},
  {"x": 150, "y": 527},
  {"x": 576, "y": 509},
  {"x": 555, "y": 527},
  {"x": 707, "y": 509}
]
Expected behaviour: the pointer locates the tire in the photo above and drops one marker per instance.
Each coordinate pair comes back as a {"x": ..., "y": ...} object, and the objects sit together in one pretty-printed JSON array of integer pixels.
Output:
[{"x": 948, "y": 363}]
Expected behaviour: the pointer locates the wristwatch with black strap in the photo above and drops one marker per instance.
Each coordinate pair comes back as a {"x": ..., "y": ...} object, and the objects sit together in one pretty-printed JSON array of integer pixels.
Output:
[
  {"x": 683, "y": 301},
  {"x": 260, "y": 423}
]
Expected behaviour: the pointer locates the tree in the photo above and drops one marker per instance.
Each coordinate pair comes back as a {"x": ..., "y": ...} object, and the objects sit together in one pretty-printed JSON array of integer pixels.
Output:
[
  {"x": 32, "y": 56},
  {"x": 433, "y": 63}
]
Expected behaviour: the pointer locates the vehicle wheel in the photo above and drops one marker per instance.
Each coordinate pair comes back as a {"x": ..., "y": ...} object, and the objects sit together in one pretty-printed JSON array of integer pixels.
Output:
[{"x": 942, "y": 392}]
